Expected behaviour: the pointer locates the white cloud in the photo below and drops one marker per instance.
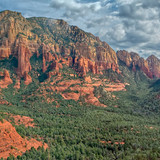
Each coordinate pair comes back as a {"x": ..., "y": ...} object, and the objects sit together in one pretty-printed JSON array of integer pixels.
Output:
[{"x": 74, "y": 9}]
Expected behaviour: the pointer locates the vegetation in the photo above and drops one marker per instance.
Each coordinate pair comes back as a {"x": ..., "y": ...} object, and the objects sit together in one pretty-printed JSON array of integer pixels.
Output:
[{"x": 127, "y": 129}]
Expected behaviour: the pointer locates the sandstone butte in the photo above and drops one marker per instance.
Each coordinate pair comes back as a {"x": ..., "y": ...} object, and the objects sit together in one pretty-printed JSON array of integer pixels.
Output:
[{"x": 13, "y": 144}]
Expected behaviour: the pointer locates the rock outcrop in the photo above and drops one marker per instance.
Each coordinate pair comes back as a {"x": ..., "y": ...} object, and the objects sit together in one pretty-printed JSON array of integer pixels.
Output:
[
  {"x": 27, "y": 78},
  {"x": 100, "y": 58},
  {"x": 17, "y": 84},
  {"x": 6, "y": 80},
  {"x": 150, "y": 66},
  {"x": 5, "y": 50},
  {"x": 12, "y": 143},
  {"x": 26, "y": 121},
  {"x": 77, "y": 89},
  {"x": 154, "y": 65},
  {"x": 24, "y": 56}
]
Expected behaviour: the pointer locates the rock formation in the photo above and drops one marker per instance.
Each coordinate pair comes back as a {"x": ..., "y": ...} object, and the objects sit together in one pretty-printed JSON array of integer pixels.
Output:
[
  {"x": 6, "y": 80},
  {"x": 13, "y": 143},
  {"x": 24, "y": 55},
  {"x": 150, "y": 66},
  {"x": 154, "y": 65},
  {"x": 27, "y": 79},
  {"x": 59, "y": 42}
]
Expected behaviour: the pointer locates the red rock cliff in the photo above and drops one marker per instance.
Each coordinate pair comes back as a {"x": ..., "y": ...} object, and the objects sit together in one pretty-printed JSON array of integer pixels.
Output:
[
  {"x": 54, "y": 40},
  {"x": 154, "y": 65},
  {"x": 151, "y": 66}
]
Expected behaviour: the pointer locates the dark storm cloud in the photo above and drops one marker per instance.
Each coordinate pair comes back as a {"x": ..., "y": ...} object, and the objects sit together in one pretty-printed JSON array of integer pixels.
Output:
[
  {"x": 127, "y": 11},
  {"x": 152, "y": 46},
  {"x": 136, "y": 37},
  {"x": 95, "y": 22}
]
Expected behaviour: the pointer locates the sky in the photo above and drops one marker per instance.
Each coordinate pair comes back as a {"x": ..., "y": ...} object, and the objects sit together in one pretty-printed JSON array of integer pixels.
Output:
[{"x": 132, "y": 25}]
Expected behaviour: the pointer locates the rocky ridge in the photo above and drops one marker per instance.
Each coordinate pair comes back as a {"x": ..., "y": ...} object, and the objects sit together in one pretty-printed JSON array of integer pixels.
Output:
[
  {"x": 55, "y": 41},
  {"x": 150, "y": 66},
  {"x": 58, "y": 44}
]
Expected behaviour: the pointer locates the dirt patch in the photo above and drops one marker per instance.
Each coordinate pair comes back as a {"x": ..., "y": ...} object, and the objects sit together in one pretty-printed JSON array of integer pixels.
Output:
[
  {"x": 95, "y": 84},
  {"x": 115, "y": 87},
  {"x": 82, "y": 90},
  {"x": 91, "y": 99},
  {"x": 55, "y": 80},
  {"x": 60, "y": 89},
  {"x": 26, "y": 121},
  {"x": 68, "y": 83},
  {"x": 110, "y": 142},
  {"x": 4, "y": 102},
  {"x": 88, "y": 79},
  {"x": 17, "y": 84},
  {"x": 71, "y": 95}
]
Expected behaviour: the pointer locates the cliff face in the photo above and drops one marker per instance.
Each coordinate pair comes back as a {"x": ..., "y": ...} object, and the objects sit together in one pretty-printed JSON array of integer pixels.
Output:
[
  {"x": 58, "y": 43},
  {"x": 55, "y": 40},
  {"x": 24, "y": 55},
  {"x": 154, "y": 65},
  {"x": 6, "y": 80},
  {"x": 150, "y": 66}
]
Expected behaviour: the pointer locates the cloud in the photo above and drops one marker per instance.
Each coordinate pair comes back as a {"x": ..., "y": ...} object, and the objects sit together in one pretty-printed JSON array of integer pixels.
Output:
[
  {"x": 75, "y": 9},
  {"x": 151, "y": 4},
  {"x": 141, "y": 23}
]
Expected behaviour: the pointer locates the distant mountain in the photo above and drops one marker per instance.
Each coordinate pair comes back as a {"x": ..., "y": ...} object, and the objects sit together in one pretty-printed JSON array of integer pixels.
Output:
[
  {"x": 154, "y": 65},
  {"x": 150, "y": 66}
]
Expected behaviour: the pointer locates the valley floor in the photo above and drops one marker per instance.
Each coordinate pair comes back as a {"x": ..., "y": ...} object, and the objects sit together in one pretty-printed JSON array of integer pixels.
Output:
[{"x": 125, "y": 129}]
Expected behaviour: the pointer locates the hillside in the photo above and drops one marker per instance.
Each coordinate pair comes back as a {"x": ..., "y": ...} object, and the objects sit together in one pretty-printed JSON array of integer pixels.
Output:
[{"x": 71, "y": 96}]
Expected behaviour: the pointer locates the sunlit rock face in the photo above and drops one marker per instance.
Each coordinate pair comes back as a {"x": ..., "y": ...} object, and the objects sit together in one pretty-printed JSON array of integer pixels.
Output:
[
  {"x": 150, "y": 66},
  {"x": 56, "y": 41}
]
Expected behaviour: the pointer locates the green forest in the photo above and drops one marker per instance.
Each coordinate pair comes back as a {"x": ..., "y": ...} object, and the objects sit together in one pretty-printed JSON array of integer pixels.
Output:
[{"x": 79, "y": 131}]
